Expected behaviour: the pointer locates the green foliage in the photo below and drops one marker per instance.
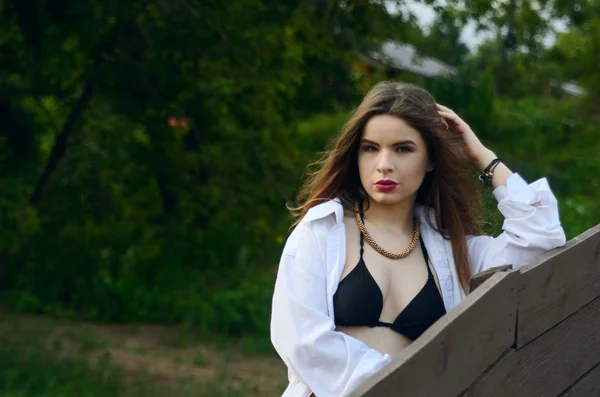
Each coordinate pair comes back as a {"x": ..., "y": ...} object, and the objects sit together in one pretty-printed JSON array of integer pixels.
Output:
[
  {"x": 149, "y": 149},
  {"x": 443, "y": 39},
  {"x": 538, "y": 137},
  {"x": 556, "y": 142},
  {"x": 577, "y": 51},
  {"x": 160, "y": 149}
]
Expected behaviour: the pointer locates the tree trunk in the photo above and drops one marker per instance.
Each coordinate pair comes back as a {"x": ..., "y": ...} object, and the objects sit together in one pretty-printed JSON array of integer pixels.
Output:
[
  {"x": 161, "y": 163},
  {"x": 60, "y": 145},
  {"x": 508, "y": 44},
  {"x": 108, "y": 46},
  {"x": 168, "y": 196}
]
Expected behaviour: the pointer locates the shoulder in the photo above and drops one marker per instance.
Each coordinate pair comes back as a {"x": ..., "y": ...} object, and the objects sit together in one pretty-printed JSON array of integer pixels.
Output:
[
  {"x": 312, "y": 230},
  {"x": 324, "y": 210}
]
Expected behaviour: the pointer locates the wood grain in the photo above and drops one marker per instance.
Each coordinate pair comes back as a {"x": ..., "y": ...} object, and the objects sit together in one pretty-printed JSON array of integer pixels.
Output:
[
  {"x": 548, "y": 365},
  {"x": 587, "y": 386},
  {"x": 480, "y": 278},
  {"x": 449, "y": 356},
  {"x": 558, "y": 284}
]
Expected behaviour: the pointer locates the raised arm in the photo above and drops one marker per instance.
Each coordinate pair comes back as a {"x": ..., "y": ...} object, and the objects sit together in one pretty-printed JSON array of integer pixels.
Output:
[{"x": 531, "y": 222}]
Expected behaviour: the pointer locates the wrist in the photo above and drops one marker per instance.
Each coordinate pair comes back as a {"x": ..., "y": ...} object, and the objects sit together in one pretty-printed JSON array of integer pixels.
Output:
[{"x": 484, "y": 159}]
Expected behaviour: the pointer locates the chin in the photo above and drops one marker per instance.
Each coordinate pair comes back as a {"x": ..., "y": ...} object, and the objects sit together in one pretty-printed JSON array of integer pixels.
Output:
[
  {"x": 386, "y": 198},
  {"x": 391, "y": 198}
]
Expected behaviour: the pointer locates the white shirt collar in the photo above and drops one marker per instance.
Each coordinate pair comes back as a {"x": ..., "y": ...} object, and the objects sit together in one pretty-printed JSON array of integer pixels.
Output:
[
  {"x": 324, "y": 209},
  {"x": 334, "y": 206}
]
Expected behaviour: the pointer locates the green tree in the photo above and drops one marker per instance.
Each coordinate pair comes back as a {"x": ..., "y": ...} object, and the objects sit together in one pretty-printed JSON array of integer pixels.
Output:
[
  {"x": 578, "y": 49},
  {"x": 160, "y": 145},
  {"x": 443, "y": 39},
  {"x": 519, "y": 29}
]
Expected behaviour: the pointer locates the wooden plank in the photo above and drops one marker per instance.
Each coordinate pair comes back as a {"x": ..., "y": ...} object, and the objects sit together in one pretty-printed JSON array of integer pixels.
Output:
[
  {"x": 450, "y": 355},
  {"x": 587, "y": 386},
  {"x": 558, "y": 284},
  {"x": 548, "y": 365},
  {"x": 480, "y": 278}
]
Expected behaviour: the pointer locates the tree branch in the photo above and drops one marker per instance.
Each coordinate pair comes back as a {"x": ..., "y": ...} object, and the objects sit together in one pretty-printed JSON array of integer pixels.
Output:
[
  {"x": 60, "y": 145},
  {"x": 103, "y": 52},
  {"x": 48, "y": 115}
]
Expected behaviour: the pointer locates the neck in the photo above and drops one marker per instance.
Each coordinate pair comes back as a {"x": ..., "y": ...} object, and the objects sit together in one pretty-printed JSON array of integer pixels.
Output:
[{"x": 391, "y": 216}]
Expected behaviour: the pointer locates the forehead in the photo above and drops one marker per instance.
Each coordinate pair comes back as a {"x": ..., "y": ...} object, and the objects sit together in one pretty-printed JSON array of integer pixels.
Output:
[{"x": 387, "y": 129}]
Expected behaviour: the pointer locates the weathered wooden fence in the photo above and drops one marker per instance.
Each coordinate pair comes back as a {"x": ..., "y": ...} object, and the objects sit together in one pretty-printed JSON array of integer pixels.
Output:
[{"x": 533, "y": 331}]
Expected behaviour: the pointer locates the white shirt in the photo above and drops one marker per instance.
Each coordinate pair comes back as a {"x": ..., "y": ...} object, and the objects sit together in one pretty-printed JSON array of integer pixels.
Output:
[{"x": 330, "y": 363}]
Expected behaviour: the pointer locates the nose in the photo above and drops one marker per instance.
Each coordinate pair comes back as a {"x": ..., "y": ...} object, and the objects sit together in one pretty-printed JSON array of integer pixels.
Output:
[{"x": 384, "y": 164}]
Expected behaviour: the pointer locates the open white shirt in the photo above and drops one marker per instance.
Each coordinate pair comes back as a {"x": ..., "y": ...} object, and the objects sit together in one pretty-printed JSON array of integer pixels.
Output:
[{"x": 330, "y": 363}]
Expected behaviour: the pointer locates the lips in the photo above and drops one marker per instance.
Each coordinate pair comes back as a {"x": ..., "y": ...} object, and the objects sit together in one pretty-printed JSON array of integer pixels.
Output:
[
  {"x": 385, "y": 185},
  {"x": 386, "y": 182}
]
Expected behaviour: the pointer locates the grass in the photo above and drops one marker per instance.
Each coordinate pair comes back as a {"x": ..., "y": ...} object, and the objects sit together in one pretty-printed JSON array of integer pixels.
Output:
[
  {"x": 28, "y": 368},
  {"x": 45, "y": 358}
]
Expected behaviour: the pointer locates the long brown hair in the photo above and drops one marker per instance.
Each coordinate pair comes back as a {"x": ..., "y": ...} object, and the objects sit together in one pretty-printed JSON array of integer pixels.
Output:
[{"x": 449, "y": 189}]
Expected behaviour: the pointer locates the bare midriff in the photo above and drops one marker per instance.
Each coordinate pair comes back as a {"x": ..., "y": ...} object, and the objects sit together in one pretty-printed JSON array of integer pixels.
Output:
[{"x": 382, "y": 339}]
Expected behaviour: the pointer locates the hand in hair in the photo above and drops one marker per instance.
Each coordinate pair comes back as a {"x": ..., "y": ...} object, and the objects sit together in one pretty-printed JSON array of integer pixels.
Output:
[
  {"x": 474, "y": 148},
  {"x": 479, "y": 154}
]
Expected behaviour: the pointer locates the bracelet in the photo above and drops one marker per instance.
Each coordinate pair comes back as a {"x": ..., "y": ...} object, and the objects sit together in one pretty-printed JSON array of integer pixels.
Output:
[{"x": 488, "y": 174}]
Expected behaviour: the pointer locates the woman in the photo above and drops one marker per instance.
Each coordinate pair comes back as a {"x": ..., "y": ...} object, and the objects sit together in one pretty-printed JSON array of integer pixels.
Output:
[{"x": 387, "y": 239}]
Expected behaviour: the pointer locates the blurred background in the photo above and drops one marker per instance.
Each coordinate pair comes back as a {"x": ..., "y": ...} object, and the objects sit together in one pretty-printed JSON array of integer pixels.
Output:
[{"x": 148, "y": 149}]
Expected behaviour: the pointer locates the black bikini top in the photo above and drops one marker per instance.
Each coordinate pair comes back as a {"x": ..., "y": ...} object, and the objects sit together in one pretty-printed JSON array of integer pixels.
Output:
[{"x": 358, "y": 301}]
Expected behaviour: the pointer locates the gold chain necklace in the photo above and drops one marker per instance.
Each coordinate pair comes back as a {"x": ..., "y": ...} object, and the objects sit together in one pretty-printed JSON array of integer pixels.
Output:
[{"x": 376, "y": 247}]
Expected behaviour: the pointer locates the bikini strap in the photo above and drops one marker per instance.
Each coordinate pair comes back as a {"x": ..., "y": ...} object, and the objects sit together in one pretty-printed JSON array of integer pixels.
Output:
[
  {"x": 362, "y": 249},
  {"x": 426, "y": 256},
  {"x": 424, "y": 249}
]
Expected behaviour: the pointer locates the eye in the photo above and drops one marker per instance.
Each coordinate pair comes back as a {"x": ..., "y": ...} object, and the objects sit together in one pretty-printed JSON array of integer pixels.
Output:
[
  {"x": 404, "y": 149},
  {"x": 368, "y": 148}
]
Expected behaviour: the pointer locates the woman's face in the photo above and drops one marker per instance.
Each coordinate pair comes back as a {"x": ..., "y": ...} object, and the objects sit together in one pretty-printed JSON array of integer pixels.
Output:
[{"x": 392, "y": 160}]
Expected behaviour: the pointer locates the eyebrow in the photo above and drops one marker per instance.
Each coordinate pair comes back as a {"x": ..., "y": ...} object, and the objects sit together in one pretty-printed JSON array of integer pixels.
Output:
[{"x": 408, "y": 141}]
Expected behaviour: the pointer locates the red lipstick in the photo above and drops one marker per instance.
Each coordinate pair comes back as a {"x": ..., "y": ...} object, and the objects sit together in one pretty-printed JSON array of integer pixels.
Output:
[{"x": 385, "y": 185}]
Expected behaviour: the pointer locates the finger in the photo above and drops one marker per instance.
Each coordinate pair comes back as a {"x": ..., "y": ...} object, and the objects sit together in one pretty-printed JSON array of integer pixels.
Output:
[
  {"x": 444, "y": 108},
  {"x": 449, "y": 115},
  {"x": 445, "y": 124}
]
